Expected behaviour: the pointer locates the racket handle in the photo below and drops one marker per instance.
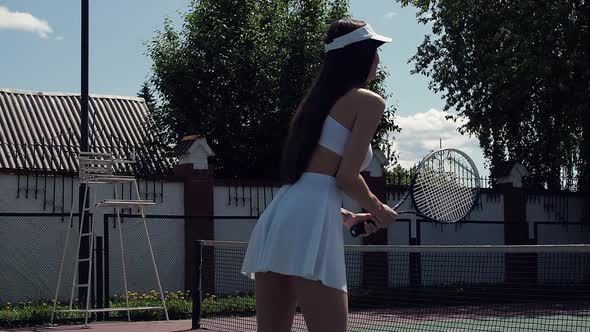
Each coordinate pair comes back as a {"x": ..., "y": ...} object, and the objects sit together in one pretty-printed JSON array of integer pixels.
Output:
[{"x": 359, "y": 228}]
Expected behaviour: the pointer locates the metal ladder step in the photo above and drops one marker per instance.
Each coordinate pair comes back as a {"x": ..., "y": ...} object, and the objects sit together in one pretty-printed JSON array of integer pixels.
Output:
[
  {"x": 109, "y": 179},
  {"x": 126, "y": 203}
]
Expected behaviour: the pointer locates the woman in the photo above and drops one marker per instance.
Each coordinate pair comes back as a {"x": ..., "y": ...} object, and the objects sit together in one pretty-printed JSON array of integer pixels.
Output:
[{"x": 296, "y": 251}]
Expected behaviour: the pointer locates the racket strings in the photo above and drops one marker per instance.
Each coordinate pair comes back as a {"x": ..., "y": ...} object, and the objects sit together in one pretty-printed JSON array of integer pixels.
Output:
[
  {"x": 461, "y": 205},
  {"x": 440, "y": 208},
  {"x": 428, "y": 195},
  {"x": 460, "y": 202},
  {"x": 443, "y": 195},
  {"x": 462, "y": 198}
]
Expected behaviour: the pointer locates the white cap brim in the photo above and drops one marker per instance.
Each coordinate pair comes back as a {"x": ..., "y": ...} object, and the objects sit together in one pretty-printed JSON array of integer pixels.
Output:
[
  {"x": 360, "y": 34},
  {"x": 382, "y": 38}
]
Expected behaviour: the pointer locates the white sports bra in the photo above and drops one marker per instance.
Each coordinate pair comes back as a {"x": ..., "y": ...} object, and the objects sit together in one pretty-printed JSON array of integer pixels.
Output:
[{"x": 334, "y": 137}]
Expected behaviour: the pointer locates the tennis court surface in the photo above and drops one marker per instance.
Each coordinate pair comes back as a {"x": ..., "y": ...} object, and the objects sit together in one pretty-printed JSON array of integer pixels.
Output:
[{"x": 424, "y": 288}]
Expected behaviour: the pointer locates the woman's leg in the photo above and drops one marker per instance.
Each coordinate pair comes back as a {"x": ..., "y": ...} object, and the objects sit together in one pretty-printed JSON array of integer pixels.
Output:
[
  {"x": 324, "y": 308},
  {"x": 275, "y": 302}
]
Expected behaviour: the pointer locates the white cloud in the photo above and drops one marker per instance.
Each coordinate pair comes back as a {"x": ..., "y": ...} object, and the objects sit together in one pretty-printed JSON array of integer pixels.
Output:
[
  {"x": 389, "y": 15},
  {"x": 23, "y": 22},
  {"x": 423, "y": 132}
]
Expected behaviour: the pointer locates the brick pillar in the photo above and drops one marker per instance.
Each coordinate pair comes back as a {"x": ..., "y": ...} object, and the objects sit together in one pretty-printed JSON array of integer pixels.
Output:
[
  {"x": 516, "y": 228},
  {"x": 375, "y": 264},
  {"x": 521, "y": 268},
  {"x": 193, "y": 153},
  {"x": 199, "y": 223}
]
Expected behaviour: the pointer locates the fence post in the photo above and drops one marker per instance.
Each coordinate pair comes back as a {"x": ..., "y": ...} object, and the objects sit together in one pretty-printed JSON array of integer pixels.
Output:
[
  {"x": 415, "y": 260},
  {"x": 196, "y": 293},
  {"x": 520, "y": 269},
  {"x": 99, "y": 276},
  {"x": 106, "y": 246},
  {"x": 375, "y": 264}
]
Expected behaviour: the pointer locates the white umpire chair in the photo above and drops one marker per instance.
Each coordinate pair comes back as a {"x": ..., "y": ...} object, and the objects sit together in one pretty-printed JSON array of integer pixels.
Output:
[{"x": 97, "y": 169}]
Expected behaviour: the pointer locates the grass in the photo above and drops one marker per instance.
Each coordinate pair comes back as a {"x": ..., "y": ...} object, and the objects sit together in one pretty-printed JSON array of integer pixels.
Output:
[{"x": 179, "y": 306}]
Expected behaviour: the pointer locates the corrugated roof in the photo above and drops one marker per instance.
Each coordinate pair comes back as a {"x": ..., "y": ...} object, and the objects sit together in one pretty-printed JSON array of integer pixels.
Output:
[{"x": 40, "y": 130}]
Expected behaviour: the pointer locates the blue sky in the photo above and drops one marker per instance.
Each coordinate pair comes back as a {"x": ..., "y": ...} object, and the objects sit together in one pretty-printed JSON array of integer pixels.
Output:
[{"x": 41, "y": 51}]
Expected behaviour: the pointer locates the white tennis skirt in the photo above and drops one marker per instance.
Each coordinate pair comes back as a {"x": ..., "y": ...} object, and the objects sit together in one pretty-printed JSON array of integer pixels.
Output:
[{"x": 300, "y": 233}]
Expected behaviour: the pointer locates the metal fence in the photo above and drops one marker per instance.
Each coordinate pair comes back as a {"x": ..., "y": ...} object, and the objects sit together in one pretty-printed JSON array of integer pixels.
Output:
[
  {"x": 31, "y": 247},
  {"x": 403, "y": 178}
]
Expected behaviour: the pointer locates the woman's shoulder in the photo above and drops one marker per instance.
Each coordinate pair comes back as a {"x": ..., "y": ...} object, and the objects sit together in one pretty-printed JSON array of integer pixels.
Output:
[{"x": 366, "y": 99}]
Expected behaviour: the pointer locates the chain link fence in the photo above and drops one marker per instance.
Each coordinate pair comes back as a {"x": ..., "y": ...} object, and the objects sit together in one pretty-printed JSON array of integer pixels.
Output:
[{"x": 31, "y": 247}]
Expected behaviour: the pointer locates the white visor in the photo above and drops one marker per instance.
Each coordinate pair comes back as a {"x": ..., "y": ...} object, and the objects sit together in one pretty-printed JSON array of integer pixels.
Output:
[{"x": 364, "y": 33}]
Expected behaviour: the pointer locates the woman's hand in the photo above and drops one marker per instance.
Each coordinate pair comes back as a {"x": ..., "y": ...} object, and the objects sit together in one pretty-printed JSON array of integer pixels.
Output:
[
  {"x": 385, "y": 216},
  {"x": 352, "y": 219}
]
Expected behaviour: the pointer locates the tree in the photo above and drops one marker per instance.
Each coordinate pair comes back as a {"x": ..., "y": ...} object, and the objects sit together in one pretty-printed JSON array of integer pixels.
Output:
[
  {"x": 151, "y": 158},
  {"x": 400, "y": 176},
  {"x": 146, "y": 93},
  {"x": 519, "y": 72},
  {"x": 235, "y": 73},
  {"x": 154, "y": 120}
]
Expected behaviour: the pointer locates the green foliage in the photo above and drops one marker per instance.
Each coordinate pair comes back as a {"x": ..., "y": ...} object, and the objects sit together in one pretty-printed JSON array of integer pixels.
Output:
[
  {"x": 399, "y": 176},
  {"x": 156, "y": 144},
  {"x": 387, "y": 125},
  {"x": 518, "y": 71},
  {"x": 230, "y": 305},
  {"x": 146, "y": 93},
  {"x": 235, "y": 73},
  {"x": 17, "y": 314},
  {"x": 179, "y": 305}
]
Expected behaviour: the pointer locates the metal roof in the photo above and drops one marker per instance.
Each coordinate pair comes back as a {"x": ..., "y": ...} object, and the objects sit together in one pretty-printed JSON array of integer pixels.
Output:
[{"x": 41, "y": 131}]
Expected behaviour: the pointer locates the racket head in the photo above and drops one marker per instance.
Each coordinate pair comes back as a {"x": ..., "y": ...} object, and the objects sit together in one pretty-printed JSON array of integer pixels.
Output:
[{"x": 446, "y": 186}]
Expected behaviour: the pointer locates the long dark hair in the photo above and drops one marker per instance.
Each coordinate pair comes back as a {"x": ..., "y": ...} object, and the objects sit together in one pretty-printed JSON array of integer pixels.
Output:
[{"x": 343, "y": 69}]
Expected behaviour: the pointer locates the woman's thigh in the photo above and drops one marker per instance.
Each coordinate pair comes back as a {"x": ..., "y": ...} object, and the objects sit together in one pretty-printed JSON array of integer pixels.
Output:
[
  {"x": 324, "y": 308},
  {"x": 275, "y": 302}
]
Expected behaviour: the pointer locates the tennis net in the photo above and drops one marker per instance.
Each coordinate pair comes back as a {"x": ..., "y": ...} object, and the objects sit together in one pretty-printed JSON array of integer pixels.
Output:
[{"x": 421, "y": 288}]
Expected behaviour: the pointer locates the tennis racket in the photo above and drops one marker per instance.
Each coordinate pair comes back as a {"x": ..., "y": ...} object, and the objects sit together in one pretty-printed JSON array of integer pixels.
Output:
[{"x": 445, "y": 188}]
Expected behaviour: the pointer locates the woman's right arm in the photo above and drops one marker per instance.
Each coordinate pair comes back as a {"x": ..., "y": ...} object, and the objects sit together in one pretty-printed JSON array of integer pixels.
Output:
[{"x": 348, "y": 176}]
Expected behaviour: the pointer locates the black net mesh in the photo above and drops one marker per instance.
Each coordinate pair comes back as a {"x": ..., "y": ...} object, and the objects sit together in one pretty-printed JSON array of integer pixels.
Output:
[{"x": 426, "y": 288}]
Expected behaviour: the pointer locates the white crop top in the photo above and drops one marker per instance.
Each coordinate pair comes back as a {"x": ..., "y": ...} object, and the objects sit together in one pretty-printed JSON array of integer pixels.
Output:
[{"x": 334, "y": 137}]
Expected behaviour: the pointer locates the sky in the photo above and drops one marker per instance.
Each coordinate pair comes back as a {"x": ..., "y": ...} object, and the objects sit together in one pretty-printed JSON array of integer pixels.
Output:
[{"x": 40, "y": 51}]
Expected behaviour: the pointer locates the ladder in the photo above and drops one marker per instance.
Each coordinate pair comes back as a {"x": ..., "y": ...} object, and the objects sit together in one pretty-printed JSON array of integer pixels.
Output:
[{"x": 97, "y": 169}]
